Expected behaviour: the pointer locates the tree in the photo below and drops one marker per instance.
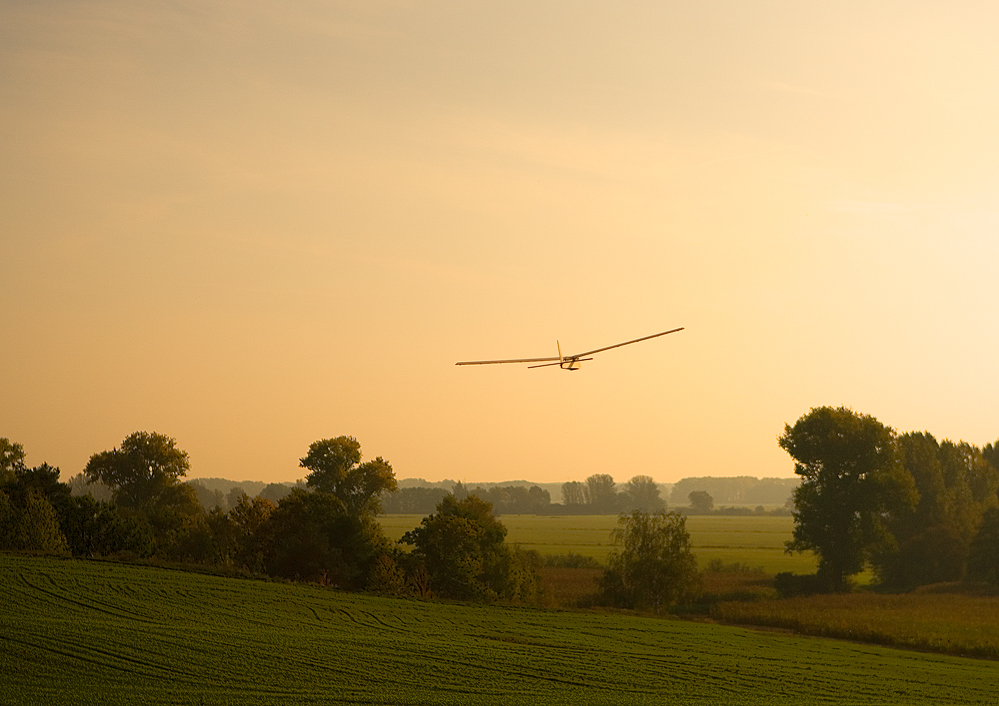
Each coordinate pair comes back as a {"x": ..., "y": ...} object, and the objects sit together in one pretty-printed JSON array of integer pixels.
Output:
[
  {"x": 852, "y": 482},
  {"x": 642, "y": 493},
  {"x": 311, "y": 536},
  {"x": 336, "y": 468},
  {"x": 654, "y": 569},
  {"x": 573, "y": 493},
  {"x": 955, "y": 483},
  {"x": 11, "y": 459},
  {"x": 701, "y": 501},
  {"x": 274, "y": 492},
  {"x": 145, "y": 466},
  {"x": 98, "y": 528},
  {"x": 37, "y": 527},
  {"x": 601, "y": 493},
  {"x": 461, "y": 547}
]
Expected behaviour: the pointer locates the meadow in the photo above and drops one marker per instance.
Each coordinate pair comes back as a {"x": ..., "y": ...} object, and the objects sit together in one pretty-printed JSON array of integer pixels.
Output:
[
  {"x": 756, "y": 541},
  {"x": 87, "y": 632}
]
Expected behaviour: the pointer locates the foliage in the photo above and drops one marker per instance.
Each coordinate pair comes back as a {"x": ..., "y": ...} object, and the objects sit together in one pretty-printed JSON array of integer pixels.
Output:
[
  {"x": 852, "y": 480},
  {"x": 642, "y": 493},
  {"x": 573, "y": 493},
  {"x": 388, "y": 578},
  {"x": 463, "y": 551},
  {"x": 97, "y": 528},
  {"x": 417, "y": 500},
  {"x": 11, "y": 459},
  {"x": 335, "y": 467},
  {"x": 571, "y": 561},
  {"x": 983, "y": 562},
  {"x": 274, "y": 492},
  {"x": 701, "y": 501},
  {"x": 955, "y": 484},
  {"x": 601, "y": 494},
  {"x": 34, "y": 525},
  {"x": 208, "y": 498},
  {"x": 514, "y": 499},
  {"x": 311, "y": 536},
  {"x": 654, "y": 569},
  {"x": 79, "y": 485},
  {"x": 146, "y": 466}
]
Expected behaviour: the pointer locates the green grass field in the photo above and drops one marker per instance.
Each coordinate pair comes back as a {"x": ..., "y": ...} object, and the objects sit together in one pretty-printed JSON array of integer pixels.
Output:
[
  {"x": 757, "y": 541},
  {"x": 79, "y": 632}
]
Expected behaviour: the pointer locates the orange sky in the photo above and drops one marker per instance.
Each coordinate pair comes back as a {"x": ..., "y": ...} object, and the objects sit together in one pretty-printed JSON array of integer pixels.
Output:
[{"x": 250, "y": 226}]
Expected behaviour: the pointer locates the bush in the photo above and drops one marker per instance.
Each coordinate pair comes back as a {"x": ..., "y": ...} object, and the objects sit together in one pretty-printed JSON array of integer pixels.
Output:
[
  {"x": 789, "y": 585},
  {"x": 655, "y": 569}
]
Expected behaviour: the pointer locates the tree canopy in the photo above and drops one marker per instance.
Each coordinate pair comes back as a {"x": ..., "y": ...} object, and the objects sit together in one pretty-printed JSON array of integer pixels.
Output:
[
  {"x": 461, "y": 547},
  {"x": 145, "y": 466},
  {"x": 654, "y": 568},
  {"x": 11, "y": 459},
  {"x": 852, "y": 480},
  {"x": 335, "y": 468},
  {"x": 642, "y": 493}
]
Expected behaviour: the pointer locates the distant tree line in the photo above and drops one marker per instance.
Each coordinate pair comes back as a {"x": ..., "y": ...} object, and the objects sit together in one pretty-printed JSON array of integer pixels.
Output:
[
  {"x": 597, "y": 495},
  {"x": 914, "y": 509},
  {"x": 738, "y": 490}
]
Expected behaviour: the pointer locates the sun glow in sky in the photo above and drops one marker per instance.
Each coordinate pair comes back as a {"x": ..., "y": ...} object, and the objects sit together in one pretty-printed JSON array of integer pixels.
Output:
[{"x": 254, "y": 225}]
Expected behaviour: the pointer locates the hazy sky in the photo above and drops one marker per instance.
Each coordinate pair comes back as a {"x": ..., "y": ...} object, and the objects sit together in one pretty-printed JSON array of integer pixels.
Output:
[{"x": 250, "y": 226}]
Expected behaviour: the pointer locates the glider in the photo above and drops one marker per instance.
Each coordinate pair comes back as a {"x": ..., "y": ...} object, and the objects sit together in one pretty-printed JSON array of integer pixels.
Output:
[{"x": 566, "y": 362}]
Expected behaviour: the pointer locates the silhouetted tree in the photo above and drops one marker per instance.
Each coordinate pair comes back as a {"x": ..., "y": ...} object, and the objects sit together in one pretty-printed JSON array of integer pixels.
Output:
[
  {"x": 336, "y": 468},
  {"x": 931, "y": 539},
  {"x": 312, "y": 536},
  {"x": 852, "y": 482},
  {"x": 146, "y": 466},
  {"x": 573, "y": 493},
  {"x": 701, "y": 501},
  {"x": 600, "y": 492},
  {"x": 274, "y": 492},
  {"x": 461, "y": 547},
  {"x": 642, "y": 493}
]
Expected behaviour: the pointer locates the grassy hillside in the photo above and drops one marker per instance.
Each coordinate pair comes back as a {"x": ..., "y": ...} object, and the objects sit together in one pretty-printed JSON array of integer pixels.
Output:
[{"x": 76, "y": 632}]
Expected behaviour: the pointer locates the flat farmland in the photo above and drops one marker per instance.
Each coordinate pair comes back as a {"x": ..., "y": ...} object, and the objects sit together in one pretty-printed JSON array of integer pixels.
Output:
[
  {"x": 86, "y": 632},
  {"x": 757, "y": 541}
]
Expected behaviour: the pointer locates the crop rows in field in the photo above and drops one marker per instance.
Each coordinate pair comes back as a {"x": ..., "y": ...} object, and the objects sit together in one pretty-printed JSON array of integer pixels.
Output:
[
  {"x": 951, "y": 623},
  {"x": 757, "y": 541},
  {"x": 78, "y": 632}
]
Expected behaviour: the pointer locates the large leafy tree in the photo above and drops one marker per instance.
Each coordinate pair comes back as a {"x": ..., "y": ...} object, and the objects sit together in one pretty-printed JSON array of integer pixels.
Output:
[
  {"x": 335, "y": 468},
  {"x": 463, "y": 551},
  {"x": 852, "y": 482},
  {"x": 145, "y": 467},
  {"x": 654, "y": 568},
  {"x": 311, "y": 536}
]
